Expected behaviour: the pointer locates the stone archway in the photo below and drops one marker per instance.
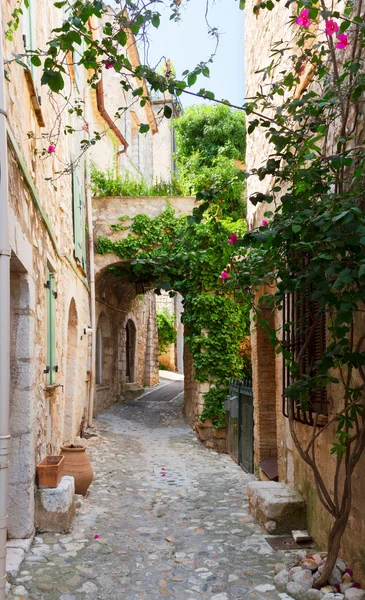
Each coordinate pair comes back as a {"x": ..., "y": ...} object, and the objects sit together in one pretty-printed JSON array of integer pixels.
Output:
[
  {"x": 71, "y": 373},
  {"x": 130, "y": 350}
]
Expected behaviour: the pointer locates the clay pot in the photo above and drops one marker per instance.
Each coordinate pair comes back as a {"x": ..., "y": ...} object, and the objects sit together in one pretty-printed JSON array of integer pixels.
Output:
[{"x": 77, "y": 464}]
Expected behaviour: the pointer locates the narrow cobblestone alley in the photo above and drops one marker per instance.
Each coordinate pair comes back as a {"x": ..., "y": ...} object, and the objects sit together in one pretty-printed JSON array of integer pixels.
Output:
[{"x": 165, "y": 518}]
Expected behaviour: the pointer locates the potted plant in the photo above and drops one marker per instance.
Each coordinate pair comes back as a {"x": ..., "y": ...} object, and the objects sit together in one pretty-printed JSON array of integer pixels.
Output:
[
  {"x": 50, "y": 471},
  {"x": 77, "y": 464}
]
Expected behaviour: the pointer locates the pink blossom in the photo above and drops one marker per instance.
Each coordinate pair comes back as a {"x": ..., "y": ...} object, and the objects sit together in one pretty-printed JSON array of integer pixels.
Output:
[
  {"x": 356, "y": 585},
  {"x": 163, "y": 469},
  {"x": 224, "y": 275},
  {"x": 350, "y": 572},
  {"x": 163, "y": 474},
  {"x": 96, "y": 537},
  {"x": 264, "y": 223},
  {"x": 232, "y": 238},
  {"x": 342, "y": 41},
  {"x": 303, "y": 20},
  {"x": 108, "y": 64},
  {"x": 331, "y": 27},
  {"x": 51, "y": 149}
]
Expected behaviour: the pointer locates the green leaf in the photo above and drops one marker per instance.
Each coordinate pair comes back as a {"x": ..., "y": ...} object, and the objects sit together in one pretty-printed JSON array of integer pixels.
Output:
[
  {"x": 167, "y": 111},
  {"x": 296, "y": 228},
  {"x": 53, "y": 79},
  {"x": 121, "y": 37},
  {"x": 36, "y": 61},
  {"x": 60, "y": 4},
  {"x": 144, "y": 127},
  {"x": 156, "y": 20},
  {"x": 191, "y": 79}
]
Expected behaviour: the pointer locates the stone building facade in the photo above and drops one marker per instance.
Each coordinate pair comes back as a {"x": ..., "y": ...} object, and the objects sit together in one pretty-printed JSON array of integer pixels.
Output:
[
  {"x": 272, "y": 435},
  {"x": 50, "y": 235},
  {"x": 173, "y": 357}
]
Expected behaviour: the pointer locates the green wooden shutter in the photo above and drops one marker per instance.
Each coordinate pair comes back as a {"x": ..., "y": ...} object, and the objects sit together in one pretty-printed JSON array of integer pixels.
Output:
[
  {"x": 78, "y": 190},
  {"x": 51, "y": 367}
]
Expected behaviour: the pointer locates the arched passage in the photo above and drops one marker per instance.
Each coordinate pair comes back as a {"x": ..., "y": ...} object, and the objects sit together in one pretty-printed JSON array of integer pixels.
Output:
[
  {"x": 130, "y": 349},
  {"x": 71, "y": 372}
]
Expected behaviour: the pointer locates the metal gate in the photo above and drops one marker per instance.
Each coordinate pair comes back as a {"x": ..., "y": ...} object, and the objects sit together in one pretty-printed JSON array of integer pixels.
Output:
[{"x": 239, "y": 407}]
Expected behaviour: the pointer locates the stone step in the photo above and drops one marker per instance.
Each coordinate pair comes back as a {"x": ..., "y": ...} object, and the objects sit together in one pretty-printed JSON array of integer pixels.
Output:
[
  {"x": 132, "y": 393},
  {"x": 279, "y": 508},
  {"x": 131, "y": 385}
]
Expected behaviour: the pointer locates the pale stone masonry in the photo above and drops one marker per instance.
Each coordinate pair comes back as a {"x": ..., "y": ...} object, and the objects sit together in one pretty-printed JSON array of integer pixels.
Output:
[{"x": 50, "y": 270}]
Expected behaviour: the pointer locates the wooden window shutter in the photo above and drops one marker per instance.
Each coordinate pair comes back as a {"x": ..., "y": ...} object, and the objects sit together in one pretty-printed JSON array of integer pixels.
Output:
[
  {"x": 78, "y": 193},
  {"x": 299, "y": 315},
  {"x": 51, "y": 366}
]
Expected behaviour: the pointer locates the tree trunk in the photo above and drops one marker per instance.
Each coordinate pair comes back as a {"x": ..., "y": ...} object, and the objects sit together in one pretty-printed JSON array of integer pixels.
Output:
[{"x": 334, "y": 542}]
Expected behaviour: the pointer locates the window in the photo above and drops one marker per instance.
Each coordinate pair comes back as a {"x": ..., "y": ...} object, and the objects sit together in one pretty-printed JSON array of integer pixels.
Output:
[
  {"x": 78, "y": 195},
  {"x": 51, "y": 366},
  {"x": 304, "y": 335}
]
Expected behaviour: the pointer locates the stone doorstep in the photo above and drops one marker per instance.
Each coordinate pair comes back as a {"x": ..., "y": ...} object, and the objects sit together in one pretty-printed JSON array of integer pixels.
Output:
[
  {"x": 15, "y": 553},
  {"x": 279, "y": 508}
]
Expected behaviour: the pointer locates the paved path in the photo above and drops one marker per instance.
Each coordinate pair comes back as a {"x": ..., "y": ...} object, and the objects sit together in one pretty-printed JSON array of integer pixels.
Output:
[{"x": 171, "y": 518}]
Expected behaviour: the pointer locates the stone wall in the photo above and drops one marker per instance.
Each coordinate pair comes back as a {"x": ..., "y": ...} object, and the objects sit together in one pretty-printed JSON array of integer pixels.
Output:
[
  {"x": 194, "y": 404},
  {"x": 41, "y": 238},
  {"x": 260, "y": 32}
]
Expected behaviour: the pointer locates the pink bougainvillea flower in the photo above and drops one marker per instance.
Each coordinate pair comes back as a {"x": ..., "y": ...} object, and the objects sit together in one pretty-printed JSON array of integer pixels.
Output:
[
  {"x": 350, "y": 572},
  {"x": 356, "y": 585},
  {"x": 96, "y": 537},
  {"x": 264, "y": 223},
  {"x": 163, "y": 474},
  {"x": 232, "y": 238},
  {"x": 224, "y": 275},
  {"x": 342, "y": 41},
  {"x": 51, "y": 148},
  {"x": 108, "y": 64},
  {"x": 163, "y": 469},
  {"x": 331, "y": 27},
  {"x": 303, "y": 20}
]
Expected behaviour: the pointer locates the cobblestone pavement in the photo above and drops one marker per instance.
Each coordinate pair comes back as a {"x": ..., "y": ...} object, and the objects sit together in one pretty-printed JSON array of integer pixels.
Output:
[{"x": 165, "y": 518}]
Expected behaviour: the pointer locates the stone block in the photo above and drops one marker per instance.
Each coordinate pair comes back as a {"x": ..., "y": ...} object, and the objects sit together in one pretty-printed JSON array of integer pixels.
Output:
[
  {"x": 55, "y": 507},
  {"x": 221, "y": 446},
  {"x": 14, "y": 558},
  {"x": 276, "y": 503},
  {"x": 205, "y": 433},
  {"x": 220, "y": 434}
]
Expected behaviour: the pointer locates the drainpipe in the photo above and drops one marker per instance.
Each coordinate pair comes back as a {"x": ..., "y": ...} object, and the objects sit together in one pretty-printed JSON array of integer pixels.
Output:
[
  {"x": 92, "y": 295},
  {"x": 4, "y": 328}
]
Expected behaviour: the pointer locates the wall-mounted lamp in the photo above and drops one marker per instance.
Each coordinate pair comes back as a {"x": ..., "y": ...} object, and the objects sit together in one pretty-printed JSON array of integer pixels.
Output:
[{"x": 88, "y": 330}]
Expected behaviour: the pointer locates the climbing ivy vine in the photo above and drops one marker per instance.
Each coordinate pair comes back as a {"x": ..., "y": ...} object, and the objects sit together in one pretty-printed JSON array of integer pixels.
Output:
[{"x": 180, "y": 257}]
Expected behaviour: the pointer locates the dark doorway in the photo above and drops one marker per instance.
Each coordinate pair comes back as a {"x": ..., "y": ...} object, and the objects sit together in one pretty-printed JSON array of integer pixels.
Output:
[{"x": 130, "y": 330}]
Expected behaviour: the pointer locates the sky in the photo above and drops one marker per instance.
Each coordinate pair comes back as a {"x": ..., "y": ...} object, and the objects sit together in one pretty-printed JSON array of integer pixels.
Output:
[{"x": 186, "y": 43}]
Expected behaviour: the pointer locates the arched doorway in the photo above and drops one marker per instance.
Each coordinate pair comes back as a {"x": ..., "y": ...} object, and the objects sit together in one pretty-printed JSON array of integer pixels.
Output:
[
  {"x": 71, "y": 370},
  {"x": 130, "y": 348}
]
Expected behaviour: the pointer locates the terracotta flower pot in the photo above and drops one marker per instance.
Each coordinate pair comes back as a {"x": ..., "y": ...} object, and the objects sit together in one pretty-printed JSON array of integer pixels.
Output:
[
  {"x": 50, "y": 471},
  {"x": 77, "y": 464}
]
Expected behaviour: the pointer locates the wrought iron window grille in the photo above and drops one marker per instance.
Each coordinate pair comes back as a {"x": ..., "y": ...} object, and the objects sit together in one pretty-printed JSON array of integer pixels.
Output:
[{"x": 304, "y": 335}]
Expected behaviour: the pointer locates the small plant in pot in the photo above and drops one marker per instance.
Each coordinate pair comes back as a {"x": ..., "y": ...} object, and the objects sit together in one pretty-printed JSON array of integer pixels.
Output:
[{"x": 77, "y": 464}]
